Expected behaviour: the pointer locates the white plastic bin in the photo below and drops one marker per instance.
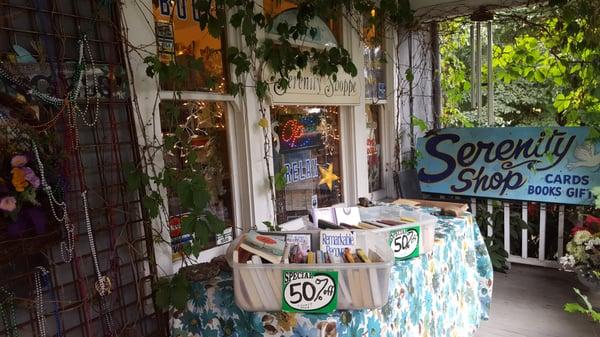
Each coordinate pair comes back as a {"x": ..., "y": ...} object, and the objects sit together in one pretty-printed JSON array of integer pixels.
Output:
[
  {"x": 360, "y": 285},
  {"x": 393, "y": 212}
]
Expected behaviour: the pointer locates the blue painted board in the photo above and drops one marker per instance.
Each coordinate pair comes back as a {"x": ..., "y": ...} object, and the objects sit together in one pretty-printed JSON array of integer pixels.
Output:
[{"x": 556, "y": 165}]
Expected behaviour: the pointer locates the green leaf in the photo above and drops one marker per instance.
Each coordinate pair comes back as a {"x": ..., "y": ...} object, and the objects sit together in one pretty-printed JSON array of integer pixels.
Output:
[{"x": 409, "y": 75}]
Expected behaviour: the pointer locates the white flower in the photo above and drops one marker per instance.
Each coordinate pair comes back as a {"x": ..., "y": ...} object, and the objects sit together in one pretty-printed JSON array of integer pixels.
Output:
[
  {"x": 581, "y": 237},
  {"x": 567, "y": 261},
  {"x": 591, "y": 243}
]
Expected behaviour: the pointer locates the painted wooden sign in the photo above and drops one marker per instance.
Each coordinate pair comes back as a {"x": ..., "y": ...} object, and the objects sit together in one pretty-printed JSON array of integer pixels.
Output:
[
  {"x": 557, "y": 165},
  {"x": 312, "y": 89}
]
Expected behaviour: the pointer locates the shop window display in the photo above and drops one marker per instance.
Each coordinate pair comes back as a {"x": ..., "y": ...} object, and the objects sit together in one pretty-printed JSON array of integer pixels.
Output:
[
  {"x": 374, "y": 146},
  {"x": 204, "y": 125},
  {"x": 374, "y": 55},
  {"x": 306, "y": 151},
  {"x": 180, "y": 40}
]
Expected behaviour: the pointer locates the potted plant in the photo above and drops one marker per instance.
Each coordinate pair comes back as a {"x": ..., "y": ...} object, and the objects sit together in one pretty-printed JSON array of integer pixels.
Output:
[{"x": 583, "y": 256}]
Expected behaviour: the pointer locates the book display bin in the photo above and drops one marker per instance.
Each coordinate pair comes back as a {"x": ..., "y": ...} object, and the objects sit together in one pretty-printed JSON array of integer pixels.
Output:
[
  {"x": 425, "y": 220},
  {"x": 258, "y": 287}
]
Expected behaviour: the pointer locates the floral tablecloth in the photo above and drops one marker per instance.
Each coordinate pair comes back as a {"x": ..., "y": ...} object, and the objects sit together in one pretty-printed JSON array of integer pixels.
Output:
[{"x": 445, "y": 293}]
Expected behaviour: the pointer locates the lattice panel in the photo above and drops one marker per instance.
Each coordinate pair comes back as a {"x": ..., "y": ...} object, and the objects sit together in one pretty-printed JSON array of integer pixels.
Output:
[{"x": 96, "y": 165}]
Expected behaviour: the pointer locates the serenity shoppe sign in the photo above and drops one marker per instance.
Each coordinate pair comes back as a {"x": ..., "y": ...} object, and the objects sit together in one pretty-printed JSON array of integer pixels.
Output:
[{"x": 557, "y": 165}]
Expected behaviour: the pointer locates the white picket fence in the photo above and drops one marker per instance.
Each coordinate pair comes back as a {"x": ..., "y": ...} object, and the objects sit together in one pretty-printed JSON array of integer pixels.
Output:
[{"x": 541, "y": 259}]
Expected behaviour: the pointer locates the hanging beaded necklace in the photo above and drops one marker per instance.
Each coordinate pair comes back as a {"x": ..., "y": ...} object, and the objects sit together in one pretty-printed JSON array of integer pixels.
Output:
[
  {"x": 40, "y": 272},
  {"x": 7, "y": 313}
]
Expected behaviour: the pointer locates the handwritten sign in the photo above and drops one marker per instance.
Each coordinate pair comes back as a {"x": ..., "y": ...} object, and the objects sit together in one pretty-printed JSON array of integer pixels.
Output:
[
  {"x": 309, "y": 291},
  {"x": 555, "y": 165},
  {"x": 405, "y": 242}
]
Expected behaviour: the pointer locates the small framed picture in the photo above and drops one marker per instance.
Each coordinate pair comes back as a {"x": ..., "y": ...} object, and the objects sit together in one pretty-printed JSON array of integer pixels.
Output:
[
  {"x": 303, "y": 240},
  {"x": 164, "y": 29},
  {"x": 166, "y": 46}
]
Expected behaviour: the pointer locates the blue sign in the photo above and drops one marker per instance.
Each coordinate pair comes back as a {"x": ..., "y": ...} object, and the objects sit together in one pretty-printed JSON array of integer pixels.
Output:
[
  {"x": 556, "y": 165},
  {"x": 300, "y": 167}
]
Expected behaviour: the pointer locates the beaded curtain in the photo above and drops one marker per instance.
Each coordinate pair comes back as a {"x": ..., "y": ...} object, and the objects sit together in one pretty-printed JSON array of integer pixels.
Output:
[{"x": 94, "y": 152}]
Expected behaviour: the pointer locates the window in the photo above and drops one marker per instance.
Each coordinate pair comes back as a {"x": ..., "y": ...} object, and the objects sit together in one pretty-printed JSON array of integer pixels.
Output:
[
  {"x": 180, "y": 40},
  {"x": 306, "y": 150},
  {"x": 373, "y": 112},
  {"x": 374, "y": 58},
  {"x": 202, "y": 116}
]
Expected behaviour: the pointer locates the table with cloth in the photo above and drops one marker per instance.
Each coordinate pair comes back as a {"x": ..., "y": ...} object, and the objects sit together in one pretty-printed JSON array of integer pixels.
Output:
[{"x": 445, "y": 293}]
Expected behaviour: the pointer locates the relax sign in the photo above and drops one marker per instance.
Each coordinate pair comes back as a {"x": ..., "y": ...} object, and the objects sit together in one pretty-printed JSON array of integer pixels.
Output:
[{"x": 553, "y": 165}]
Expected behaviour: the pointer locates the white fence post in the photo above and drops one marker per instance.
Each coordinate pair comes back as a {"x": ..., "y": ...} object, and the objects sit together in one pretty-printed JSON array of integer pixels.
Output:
[
  {"x": 490, "y": 209},
  {"x": 542, "y": 245},
  {"x": 524, "y": 235},
  {"x": 474, "y": 207},
  {"x": 506, "y": 227},
  {"x": 561, "y": 229}
]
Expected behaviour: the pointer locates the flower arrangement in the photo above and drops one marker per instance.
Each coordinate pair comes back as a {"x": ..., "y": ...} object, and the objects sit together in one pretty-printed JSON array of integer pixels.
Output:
[
  {"x": 23, "y": 204},
  {"x": 583, "y": 250}
]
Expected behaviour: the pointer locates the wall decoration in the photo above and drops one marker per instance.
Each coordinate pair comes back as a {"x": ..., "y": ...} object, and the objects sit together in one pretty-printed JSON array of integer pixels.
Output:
[
  {"x": 327, "y": 176},
  {"x": 556, "y": 165}
]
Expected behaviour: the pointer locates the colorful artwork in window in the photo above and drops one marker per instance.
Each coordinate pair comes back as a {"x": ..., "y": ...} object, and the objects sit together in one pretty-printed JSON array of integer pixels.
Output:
[
  {"x": 374, "y": 146},
  {"x": 180, "y": 40},
  {"x": 374, "y": 58},
  {"x": 306, "y": 152}
]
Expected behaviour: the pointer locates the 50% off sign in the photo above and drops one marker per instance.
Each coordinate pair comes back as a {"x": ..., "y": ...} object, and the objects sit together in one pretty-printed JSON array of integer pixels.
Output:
[
  {"x": 405, "y": 242},
  {"x": 309, "y": 291}
]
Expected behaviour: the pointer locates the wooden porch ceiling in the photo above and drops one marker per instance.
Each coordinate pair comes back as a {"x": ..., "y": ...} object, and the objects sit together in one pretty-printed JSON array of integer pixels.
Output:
[{"x": 431, "y": 10}]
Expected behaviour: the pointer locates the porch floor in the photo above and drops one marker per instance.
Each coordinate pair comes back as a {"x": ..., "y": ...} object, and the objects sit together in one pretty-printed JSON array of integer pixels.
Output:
[{"x": 527, "y": 301}]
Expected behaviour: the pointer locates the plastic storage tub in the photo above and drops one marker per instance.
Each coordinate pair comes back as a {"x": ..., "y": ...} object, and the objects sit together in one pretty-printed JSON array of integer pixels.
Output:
[
  {"x": 394, "y": 212},
  {"x": 360, "y": 285}
]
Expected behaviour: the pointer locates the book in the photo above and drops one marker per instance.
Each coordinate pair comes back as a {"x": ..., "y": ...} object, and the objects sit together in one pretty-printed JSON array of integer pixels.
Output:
[
  {"x": 270, "y": 243},
  {"x": 310, "y": 257},
  {"x": 335, "y": 241},
  {"x": 303, "y": 240},
  {"x": 347, "y": 215},
  {"x": 267, "y": 288},
  {"x": 286, "y": 253},
  {"x": 262, "y": 253}
]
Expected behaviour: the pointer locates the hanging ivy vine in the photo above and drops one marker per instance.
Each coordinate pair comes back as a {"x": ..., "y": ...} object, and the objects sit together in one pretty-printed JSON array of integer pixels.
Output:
[{"x": 258, "y": 65}]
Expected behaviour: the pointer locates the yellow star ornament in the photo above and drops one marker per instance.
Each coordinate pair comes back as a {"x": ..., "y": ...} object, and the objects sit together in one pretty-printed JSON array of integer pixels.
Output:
[{"x": 327, "y": 176}]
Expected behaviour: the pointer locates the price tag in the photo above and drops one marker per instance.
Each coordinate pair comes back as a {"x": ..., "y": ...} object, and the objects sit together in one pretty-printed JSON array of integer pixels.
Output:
[
  {"x": 309, "y": 291},
  {"x": 405, "y": 242}
]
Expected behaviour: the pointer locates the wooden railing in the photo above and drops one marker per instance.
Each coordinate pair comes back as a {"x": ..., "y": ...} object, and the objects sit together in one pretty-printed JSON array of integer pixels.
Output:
[{"x": 541, "y": 225}]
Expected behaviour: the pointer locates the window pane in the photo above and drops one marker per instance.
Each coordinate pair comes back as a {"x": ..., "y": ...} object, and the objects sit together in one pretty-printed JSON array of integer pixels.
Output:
[
  {"x": 374, "y": 57},
  {"x": 306, "y": 146},
  {"x": 374, "y": 146},
  {"x": 204, "y": 128},
  {"x": 180, "y": 39}
]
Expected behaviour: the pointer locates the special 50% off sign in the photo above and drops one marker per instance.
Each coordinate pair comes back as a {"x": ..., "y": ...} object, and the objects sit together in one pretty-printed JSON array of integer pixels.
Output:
[
  {"x": 309, "y": 291},
  {"x": 405, "y": 243}
]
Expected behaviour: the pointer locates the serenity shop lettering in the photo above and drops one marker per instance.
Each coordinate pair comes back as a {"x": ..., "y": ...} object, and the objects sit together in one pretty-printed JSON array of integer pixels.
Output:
[
  {"x": 535, "y": 165},
  {"x": 317, "y": 86}
]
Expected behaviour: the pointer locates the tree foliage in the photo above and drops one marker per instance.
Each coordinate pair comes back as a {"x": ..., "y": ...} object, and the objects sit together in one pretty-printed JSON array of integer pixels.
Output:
[{"x": 546, "y": 63}]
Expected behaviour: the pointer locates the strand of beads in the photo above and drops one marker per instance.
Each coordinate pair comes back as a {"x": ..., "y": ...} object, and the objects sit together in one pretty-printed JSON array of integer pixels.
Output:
[
  {"x": 84, "y": 46},
  {"x": 7, "y": 313},
  {"x": 40, "y": 273},
  {"x": 67, "y": 246},
  {"x": 55, "y": 101},
  {"x": 103, "y": 283}
]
